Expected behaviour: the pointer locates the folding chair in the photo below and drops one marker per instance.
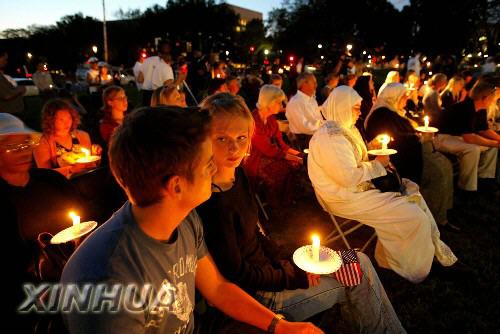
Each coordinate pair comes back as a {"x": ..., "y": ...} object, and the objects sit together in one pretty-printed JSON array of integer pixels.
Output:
[
  {"x": 343, "y": 229},
  {"x": 261, "y": 206}
]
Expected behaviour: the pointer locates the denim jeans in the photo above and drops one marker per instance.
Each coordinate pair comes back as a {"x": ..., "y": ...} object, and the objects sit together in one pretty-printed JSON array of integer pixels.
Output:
[{"x": 366, "y": 307}]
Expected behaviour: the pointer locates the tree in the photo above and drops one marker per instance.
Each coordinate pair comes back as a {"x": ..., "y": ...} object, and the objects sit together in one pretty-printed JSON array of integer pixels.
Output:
[
  {"x": 15, "y": 33},
  {"x": 303, "y": 24}
]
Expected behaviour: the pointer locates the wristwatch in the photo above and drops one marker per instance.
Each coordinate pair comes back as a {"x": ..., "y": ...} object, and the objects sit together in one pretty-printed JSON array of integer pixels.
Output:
[{"x": 274, "y": 323}]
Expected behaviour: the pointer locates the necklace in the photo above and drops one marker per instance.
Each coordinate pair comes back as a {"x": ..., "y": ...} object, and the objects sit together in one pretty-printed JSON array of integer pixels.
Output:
[{"x": 224, "y": 186}]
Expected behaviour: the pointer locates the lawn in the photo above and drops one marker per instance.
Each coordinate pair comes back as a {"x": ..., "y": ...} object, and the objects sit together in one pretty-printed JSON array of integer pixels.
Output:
[{"x": 435, "y": 305}]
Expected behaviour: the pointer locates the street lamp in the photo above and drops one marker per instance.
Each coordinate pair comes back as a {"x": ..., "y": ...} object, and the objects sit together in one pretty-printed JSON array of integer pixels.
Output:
[
  {"x": 320, "y": 46},
  {"x": 266, "y": 52},
  {"x": 94, "y": 48},
  {"x": 29, "y": 55},
  {"x": 104, "y": 31}
]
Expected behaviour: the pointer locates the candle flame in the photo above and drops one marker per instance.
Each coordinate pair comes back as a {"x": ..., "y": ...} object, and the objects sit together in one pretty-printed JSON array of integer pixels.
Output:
[
  {"x": 316, "y": 241},
  {"x": 75, "y": 217},
  {"x": 87, "y": 152},
  {"x": 384, "y": 140},
  {"x": 426, "y": 121}
]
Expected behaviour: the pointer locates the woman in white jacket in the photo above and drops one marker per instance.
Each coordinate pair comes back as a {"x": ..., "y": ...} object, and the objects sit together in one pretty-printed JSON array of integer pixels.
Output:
[{"x": 339, "y": 169}]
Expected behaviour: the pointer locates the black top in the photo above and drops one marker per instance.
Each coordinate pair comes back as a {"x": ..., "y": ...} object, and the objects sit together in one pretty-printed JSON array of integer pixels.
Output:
[
  {"x": 242, "y": 254},
  {"x": 447, "y": 99},
  {"x": 462, "y": 118},
  {"x": 40, "y": 206},
  {"x": 43, "y": 204},
  {"x": 408, "y": 160}
]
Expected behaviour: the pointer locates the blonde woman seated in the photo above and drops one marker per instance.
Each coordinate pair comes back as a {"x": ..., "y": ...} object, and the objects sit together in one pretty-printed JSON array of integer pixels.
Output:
[
  {"x": 115, "y": 104},
  {"x": 408, "y": 238},
  {"x": 454, "y": 92},
  {"x": 61, "y": 142},
  {"x": 168, "y": 96}
]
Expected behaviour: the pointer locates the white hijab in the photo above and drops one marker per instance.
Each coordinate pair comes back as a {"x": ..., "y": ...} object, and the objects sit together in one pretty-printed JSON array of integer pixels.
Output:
[
  {"x": 338, "y": 106},
  {"x": 390, "y": 78},
  {"x": 337, "y": 110},
  {"x": 389, "y": 98}
]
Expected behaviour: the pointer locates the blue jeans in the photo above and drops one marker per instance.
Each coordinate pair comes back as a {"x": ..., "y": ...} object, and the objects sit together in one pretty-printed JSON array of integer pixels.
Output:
[{"x": 366, "y": 307}]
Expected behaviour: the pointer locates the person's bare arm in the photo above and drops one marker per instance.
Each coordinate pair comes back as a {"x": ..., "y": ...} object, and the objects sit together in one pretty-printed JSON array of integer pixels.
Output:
[
  {"x": 490, "y": 134},
  {"x": 237, "y": 304},
  {"x": 472, "y": 138}
]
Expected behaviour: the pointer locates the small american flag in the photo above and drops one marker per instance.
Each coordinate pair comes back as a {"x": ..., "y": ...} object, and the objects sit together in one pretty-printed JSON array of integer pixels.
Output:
[{"x": 350, "y": 273}]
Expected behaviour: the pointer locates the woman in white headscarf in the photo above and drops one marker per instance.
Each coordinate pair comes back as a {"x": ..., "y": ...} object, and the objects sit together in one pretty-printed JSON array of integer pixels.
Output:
[
  {"x": 341, "y": 174},
  {"x": 416, "y": 158},
  {"x": 392, "y": 77}
]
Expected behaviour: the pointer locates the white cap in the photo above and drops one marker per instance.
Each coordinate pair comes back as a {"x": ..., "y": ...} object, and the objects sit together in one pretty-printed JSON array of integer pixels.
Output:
[{"x": 11, "y": 125}]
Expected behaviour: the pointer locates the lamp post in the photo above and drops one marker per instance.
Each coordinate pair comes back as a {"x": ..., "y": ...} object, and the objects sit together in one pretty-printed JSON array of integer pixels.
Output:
[{"x": 104, "y": 31}]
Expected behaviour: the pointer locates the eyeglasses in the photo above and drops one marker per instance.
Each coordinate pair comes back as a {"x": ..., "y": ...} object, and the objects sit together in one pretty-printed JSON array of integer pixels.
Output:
[{"x": 14, "y": 148}]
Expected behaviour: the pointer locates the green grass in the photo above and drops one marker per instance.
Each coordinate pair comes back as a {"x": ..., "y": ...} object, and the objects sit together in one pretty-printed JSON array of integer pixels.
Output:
[{"x": 435, "y": 305}]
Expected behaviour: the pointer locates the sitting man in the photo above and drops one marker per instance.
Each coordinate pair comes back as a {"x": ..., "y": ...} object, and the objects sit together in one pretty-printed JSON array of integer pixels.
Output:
[
  {"x": 303, "y": 111},
  {"x": 465, "y": 133},
  {"x": 155, "y": 243},
  {"x": 33, "y": 201}
]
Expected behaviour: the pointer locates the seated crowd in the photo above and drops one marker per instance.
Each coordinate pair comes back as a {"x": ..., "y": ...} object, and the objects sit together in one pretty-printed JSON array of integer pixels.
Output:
[{"x": 187, "y": 218}]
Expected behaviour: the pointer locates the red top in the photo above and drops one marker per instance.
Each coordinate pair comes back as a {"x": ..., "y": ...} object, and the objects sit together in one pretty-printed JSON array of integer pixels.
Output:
[
  {"x": 106, "y": 128},
  {"x": 266, "y": 142}
]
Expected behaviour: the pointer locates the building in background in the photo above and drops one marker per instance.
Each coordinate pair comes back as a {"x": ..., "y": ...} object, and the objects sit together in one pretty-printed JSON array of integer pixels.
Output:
[{"x": 246, "y": 15}]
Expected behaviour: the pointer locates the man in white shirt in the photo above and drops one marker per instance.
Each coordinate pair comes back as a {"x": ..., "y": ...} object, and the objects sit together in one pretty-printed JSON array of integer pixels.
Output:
[
  {"x": 42, "y": 78},
  {"x": 136, "y": 70},
  {"x": 303, "y": 112},
  {"x": 163, "y": 73},
  {"x": 149, "y": 66},
  {"x": 145, "y": 76}
]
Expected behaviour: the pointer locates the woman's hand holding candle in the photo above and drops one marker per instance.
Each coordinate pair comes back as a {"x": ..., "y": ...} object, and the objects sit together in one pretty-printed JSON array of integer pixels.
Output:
[
  {"x": 96, "y": 149},
  {"x": 385, "y": 160},
  {"x": 313, "y": 279}
]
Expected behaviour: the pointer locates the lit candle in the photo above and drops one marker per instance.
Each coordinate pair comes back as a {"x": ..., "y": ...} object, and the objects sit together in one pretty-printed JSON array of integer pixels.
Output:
[
  {"x": 75, "y": 231},
  {"x": 426, "y": 121},
  {"x": 384, "y": 140},
  {"x": 75, "y": 217},
  {"x": 315, "y": 248}
]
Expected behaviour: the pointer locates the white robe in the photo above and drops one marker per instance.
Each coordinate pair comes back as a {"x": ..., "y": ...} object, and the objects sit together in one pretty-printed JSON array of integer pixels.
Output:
[{"x": 408, "y": 237}]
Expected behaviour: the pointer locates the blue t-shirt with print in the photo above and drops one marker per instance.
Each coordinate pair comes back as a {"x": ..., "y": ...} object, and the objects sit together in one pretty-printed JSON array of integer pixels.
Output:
[{"x": 140, "y": 284}]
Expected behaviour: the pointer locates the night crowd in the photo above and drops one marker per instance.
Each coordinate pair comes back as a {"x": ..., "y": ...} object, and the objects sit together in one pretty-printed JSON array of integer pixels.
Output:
[{"x": 178, "y": 186}]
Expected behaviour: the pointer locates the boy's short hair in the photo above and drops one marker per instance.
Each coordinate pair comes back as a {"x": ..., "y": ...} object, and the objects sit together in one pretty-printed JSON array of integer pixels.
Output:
[{"x": 152, "y": 145}]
